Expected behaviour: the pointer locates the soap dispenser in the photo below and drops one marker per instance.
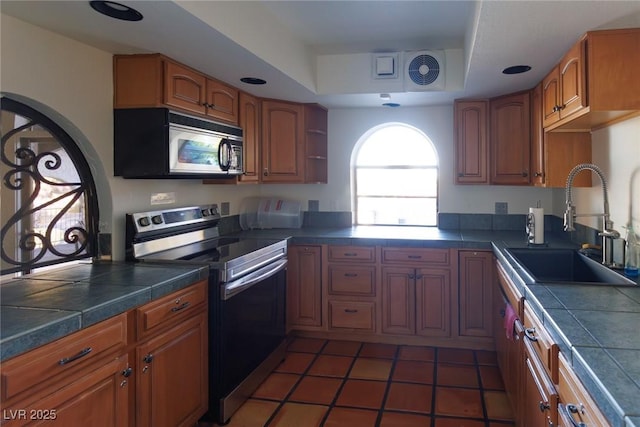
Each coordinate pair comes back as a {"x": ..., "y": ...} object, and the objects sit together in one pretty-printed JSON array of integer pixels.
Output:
[{"x": 632, "y": 253}]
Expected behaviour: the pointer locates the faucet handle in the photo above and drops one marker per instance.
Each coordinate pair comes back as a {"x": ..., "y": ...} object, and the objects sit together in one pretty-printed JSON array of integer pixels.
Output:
[
  {"x": 569, "y": 215},
  {"x": 610, "y": 233}
]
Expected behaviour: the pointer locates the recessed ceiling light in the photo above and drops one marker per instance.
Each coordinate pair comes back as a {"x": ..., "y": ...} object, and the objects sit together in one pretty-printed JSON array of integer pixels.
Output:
[
  {"x": 253, "y": 80},
  {"x": 391, "y": 104},
  {"x": 116, "y": 10},
  {"x": 516, "y": 69}
]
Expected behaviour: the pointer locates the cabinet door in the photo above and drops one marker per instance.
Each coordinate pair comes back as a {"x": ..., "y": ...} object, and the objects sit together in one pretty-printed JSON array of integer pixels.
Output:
[
  {"x": 476, "y": 280},
  {"x": 510, "y": 139},
  {"x": 551, "y": 97},
  {"x": 572, "y": 81},
  {"x": 537, "y": 139},
  {"x": 282, "y": 142},
  {"x": 472, "y": 149},
  {"x": 249, "y": 119},
  {"x": 540, "y": 400},
  {"x": 508, "y": 350},
  {"x": 398, "y": 300},
  {"x": 172, "y": 376},
  {"x": 433, "y": 302},
  {"x": 98, "y": 398},
  {"x": 184, "y": 88},
  {"x": 304, "y": 286},
  {"x": 222, "y": 101}
]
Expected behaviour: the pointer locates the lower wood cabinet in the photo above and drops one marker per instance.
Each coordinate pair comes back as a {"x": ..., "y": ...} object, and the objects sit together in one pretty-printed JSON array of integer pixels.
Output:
[
  {"x": 110, "y": 375},
  {"x": 304, "y": 287},
  {"x": 172, "y": 376},
  {"x": 416, "y": 301},
  {"x": 476, "y": 282},
  {"x": 576, "y": 406}
]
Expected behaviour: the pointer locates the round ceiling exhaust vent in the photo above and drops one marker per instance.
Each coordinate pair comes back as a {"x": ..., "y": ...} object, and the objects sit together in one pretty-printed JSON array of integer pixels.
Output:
[{"x": 424, "y": 70}]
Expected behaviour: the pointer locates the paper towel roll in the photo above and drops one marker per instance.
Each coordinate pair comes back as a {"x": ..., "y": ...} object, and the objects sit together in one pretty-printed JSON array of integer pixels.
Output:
[{"x": 538, "y": 224}]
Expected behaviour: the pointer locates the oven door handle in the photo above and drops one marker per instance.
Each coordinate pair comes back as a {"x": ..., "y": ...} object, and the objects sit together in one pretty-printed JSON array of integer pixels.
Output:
[{"x": 233, "y": 288}]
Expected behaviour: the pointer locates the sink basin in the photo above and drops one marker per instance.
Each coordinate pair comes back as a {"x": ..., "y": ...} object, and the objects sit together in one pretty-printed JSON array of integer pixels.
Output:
[{"x": 564, "y": 266}]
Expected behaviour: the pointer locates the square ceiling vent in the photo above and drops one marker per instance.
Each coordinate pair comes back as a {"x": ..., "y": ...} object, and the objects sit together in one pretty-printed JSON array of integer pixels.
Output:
[{"x": 385, "y": 65}]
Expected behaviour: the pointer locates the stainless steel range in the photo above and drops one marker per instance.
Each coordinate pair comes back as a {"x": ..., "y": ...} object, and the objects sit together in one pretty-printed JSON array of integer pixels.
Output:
[{"x": 247, "y": 288}]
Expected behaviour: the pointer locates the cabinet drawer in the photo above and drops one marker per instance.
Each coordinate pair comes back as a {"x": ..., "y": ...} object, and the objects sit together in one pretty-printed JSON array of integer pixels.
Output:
[
  {"x": 575, "y": 401},
  {"x": 63, "y": 357},
  {"x": 541, "y": 342},
  {"x": 352, "y": 280},
  {"x": 352, "y": 253},
  {"x": 422, "y": 256},
  {"x": 352, "y": 315},
  {"x": 160, "y": 312}
]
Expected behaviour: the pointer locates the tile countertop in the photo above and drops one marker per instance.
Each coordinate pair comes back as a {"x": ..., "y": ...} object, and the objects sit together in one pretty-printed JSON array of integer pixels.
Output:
[
  {"x": 597, "y": 327},
  {"x": 43, "y": 307}
]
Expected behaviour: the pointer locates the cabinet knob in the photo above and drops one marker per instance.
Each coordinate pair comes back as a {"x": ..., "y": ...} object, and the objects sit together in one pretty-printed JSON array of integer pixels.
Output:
[
  {"x": 525, "y": 174},
  {"x": 538, "y": 174},
  {"x": 148, "y": 358},
  {"x": 127, "y": 372},
  {"x": 265, "y": 172},
  {"x": 544, "y": 406}
]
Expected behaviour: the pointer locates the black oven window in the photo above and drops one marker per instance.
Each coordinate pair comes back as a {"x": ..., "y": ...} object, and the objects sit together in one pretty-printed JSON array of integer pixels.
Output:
[{"x": 49, "y": 205}]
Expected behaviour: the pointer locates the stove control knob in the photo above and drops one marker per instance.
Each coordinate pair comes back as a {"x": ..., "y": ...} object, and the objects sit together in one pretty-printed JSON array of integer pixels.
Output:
[
  {"x": 144, "y": 221},
  {"x": 205, "y": 212},
  {"x": 214, "y": 210},
  {"x": 156, "y": 219}
]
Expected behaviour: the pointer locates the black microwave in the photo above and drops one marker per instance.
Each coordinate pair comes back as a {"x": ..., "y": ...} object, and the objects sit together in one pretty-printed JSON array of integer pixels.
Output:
[{"x": 160, "y": 143}]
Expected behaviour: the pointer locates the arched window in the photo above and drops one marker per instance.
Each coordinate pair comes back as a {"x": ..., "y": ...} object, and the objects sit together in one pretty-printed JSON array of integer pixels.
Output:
[
  {"x": 395, "y": 177},
  {"x": 49, "y": 203}
]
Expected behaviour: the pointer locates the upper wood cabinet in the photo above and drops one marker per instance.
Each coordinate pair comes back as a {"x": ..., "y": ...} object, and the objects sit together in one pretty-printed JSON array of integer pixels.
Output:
[
  {"x": 154, "y": 80},
  {"x": 510, "y": 139},
  {"x": 595, "y": 82},
  {"x": 282, "y": 142},
  {"x": 472, "y": 150},
  {"x": 554, "y": 154},
  {"x": 564, "y": 91},
  {"x": 249, "y": 119}
]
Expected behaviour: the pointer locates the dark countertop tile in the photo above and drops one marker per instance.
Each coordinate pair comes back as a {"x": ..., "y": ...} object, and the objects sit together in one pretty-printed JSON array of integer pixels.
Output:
[
  {"x": 27, "y": 328},
  {"x": 611, "y": 329}
]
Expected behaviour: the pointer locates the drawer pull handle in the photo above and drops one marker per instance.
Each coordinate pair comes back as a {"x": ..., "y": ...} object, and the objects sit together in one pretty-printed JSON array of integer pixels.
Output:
[
  {"x": 82, "y": 353},
  {"x": 415, "y": 256},
  {"x": 570, "y": 409},
  {"x": 180, "y": 307},
  {"x": 350, "y": 254},
  {"x": 350, "y": 274},
  {"x": 530, "y": 333},
  {"x": 350, "y": 310}
]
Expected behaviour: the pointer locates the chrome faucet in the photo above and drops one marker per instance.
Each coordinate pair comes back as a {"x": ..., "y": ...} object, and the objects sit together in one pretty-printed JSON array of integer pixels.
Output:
[{"x": 607, "y": 233}]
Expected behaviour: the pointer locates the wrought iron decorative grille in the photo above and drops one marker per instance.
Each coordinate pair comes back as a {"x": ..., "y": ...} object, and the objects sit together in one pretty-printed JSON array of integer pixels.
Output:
[{"x": 49, "y": 206}]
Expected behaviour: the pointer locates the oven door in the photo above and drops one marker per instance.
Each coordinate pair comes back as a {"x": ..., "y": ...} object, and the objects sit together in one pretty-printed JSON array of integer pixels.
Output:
[
  {"x": 252, "y": 326},
  {"x": 199, "y": 151}
]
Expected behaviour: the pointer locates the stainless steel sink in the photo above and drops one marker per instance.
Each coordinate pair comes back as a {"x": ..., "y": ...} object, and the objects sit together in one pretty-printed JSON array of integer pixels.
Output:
[{"x": 565, "y": 266}]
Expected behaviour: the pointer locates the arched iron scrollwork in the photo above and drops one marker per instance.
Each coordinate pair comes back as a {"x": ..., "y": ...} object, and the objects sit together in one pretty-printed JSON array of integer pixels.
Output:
[{"x": 54, "y": 220}]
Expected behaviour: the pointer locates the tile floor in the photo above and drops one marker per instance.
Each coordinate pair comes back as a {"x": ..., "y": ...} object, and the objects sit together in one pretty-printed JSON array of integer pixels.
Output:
[{"x": 352, "y": 384}]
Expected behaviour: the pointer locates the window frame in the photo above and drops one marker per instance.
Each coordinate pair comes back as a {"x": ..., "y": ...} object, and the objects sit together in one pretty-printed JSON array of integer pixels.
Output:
[
  {"x": 354, "y": 169},
  {"x": 87, "y": 191}
]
